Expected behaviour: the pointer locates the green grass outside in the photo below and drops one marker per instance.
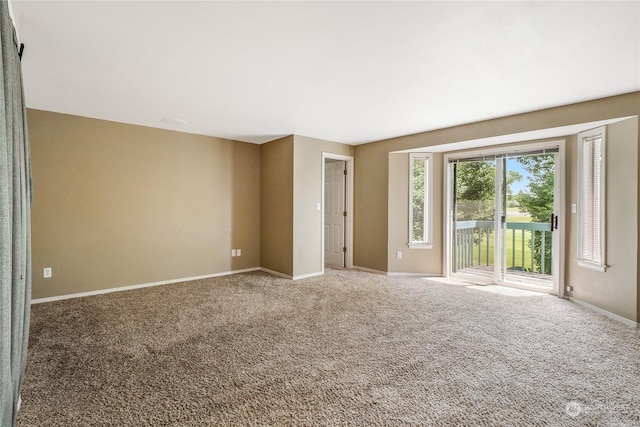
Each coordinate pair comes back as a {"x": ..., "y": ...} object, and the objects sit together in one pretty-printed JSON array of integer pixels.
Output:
[
  {"x": 514, "y": 244},
  {"x": 511, "y": 247}
]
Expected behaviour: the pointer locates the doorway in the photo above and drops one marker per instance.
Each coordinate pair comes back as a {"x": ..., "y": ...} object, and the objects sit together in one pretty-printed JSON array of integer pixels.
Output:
[
  {"x": 505, "y": 217},
  {"x": 335, "y": 213},
  {"x": 337, "y": 208}
]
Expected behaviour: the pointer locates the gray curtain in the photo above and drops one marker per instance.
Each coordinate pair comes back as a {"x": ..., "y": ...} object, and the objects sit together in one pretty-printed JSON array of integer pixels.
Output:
[{"x": 15, "y": 224}]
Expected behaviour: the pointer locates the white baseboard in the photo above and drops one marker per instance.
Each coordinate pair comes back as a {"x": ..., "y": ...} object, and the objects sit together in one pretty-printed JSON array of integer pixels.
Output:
[
  {"x": 306, "y": 276},
  {"x": 286, "y": 276},
  {"x": 395, "y": 273},
  {"x": 275, "y": 273},
  {"x": 369, "y": 270},
  {"x": 143, "y": 285},
  {"x": 400, "y": 274},
  {"x": 604, "y": 312}
]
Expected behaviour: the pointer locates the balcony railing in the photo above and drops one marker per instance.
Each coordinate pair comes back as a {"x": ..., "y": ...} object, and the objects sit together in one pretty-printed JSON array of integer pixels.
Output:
[{"x": 475, "y": 242}]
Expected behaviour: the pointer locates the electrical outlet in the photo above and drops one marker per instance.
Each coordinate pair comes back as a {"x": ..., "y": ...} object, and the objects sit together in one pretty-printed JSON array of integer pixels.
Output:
[
  {"x": 47, "y": 272},
  {"x": 233, "y": 252},
  {"x": 569, "y": 288},
  {"x": 239, "y": 252},
  {"x": 399, "y": 254}
]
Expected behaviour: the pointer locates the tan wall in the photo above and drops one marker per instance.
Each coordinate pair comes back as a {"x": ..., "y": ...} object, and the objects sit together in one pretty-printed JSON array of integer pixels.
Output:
[
  {"x": 616, "y": 289},
  {"x": 371, "y": 208},
  {"x": 276, "y": 205},
  {"x": 117, "y": 204},
  {"x": 307, "y": 193},
  {"x": 377, "y": 234},
  {"x": 425, "y": 261}
]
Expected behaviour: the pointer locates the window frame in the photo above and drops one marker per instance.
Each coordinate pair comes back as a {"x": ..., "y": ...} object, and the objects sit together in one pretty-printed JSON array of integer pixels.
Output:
[
  {"x": 582, "y": 261},
  {"x": 428, "y": 201}
]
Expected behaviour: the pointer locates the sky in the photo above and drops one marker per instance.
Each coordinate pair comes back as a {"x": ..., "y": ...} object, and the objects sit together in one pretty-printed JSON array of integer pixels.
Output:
[{"x": 513, "y": 164}]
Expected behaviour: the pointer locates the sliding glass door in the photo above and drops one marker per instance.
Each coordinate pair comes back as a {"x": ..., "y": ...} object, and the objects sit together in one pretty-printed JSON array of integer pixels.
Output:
[
  {"x": 504, "y": 218},
  {"x": 474, "y": 217},
  {"x": 528, "y": 218}
]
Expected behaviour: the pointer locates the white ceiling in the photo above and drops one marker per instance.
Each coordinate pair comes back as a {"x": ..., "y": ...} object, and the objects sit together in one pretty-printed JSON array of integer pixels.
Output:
[{"x": 350, "y": 72}]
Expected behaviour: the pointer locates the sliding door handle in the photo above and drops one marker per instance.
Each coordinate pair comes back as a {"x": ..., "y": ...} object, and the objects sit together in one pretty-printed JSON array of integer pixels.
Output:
[{"x": 554, "y": 222}]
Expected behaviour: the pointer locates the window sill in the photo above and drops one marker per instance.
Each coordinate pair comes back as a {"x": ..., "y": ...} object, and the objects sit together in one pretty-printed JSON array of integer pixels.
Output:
[
  {"x": 420, "y": 246},
  {"x": 592, "y": 266}
]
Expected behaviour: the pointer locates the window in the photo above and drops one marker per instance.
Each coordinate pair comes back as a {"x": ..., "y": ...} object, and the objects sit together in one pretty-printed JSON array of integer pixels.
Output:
[
  {"x": 420, "y": 200},
  {"x": 591, "y": 199}
]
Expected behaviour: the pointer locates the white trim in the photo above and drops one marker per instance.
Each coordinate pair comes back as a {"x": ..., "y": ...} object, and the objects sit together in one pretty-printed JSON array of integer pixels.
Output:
[
  {"x": 604, "y": 312},
  {"x": 592, "y": 265},
  {"x": 143, "y": 285},
  {"x": 558, "y": 245},
  {"x": 306, "y": 276},
  {"x": 369, "y": 270},
  {"x": 423, "y": 246},
  {"x": 428, "y": 200},
  {"x": 275, "y": 273},
  {"x": 349, "y": 163},
  {"x": 499, "y": 228},
  {"x": 447, "y": 217},
  {"x": 603, "y": 201},
  {"x": 286, "y": 276},
  {"x": 502, "y": 149},
  {"x": 395, "y": 273},
  {"x": 401, "y": 274}
]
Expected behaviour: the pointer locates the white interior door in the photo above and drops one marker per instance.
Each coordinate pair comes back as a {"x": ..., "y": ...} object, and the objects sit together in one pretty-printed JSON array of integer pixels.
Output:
[{"x": 334, "y": 213}]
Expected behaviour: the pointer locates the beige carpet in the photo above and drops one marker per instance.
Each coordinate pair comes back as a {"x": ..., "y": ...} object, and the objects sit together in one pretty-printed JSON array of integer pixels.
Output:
[{"x": 349, "y": 348}]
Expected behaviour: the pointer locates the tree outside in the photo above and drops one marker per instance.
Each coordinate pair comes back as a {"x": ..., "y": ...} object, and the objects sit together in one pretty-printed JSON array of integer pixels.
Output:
[
  {"x": 538, "y": 200},
  {"x": 475, "y": 197},
  {"x": 475, "y": 190},
  {"x": 417, "y": 233}
]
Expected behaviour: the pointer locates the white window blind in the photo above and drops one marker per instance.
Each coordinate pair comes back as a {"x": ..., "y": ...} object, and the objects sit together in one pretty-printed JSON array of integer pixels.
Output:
[{"x": 591, "y": 204}]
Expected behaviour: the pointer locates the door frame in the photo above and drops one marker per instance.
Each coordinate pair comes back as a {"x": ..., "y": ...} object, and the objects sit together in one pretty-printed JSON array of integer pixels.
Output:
[
  {"x": 348, "y": 235},
  {"x": 560, "y": 202}
]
